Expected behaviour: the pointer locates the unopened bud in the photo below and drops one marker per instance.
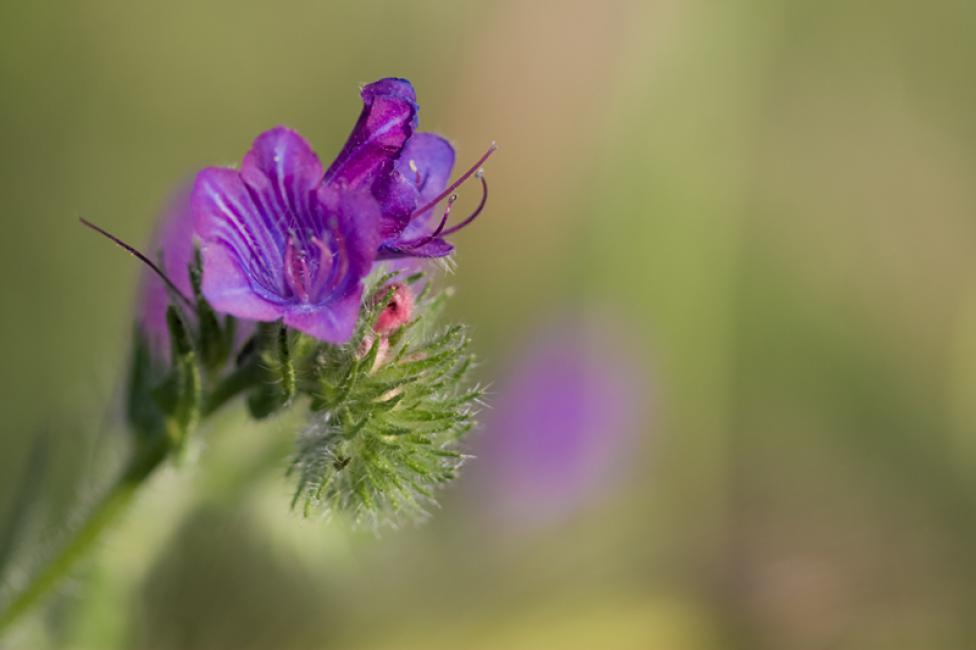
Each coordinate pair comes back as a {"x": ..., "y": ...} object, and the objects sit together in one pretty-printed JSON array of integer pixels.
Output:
[{"x": 398, "y": 308}]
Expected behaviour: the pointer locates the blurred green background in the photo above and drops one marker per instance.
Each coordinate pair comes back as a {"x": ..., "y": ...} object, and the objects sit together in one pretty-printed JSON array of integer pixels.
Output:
[{"x": 770, "y": 200}]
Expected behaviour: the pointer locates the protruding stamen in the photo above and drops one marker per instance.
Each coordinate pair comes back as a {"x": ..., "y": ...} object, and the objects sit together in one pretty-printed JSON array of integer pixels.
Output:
[
  {"x": 453, "y": 186},
  {"x": 474, "y": 215},
  {"x": 420, "y": 241},
  {"x": 139, "y": 255}
]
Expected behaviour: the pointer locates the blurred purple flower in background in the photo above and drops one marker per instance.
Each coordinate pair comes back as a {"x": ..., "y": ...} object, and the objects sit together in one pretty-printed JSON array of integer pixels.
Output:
[
  {"x": 277, "y": 243},
  {"x": 564, "y": 422},
  {"x": 172, "y": 249}
]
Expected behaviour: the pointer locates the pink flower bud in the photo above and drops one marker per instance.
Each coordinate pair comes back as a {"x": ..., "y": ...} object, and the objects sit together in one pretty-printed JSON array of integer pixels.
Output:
[{"x": 397, "y": 311}]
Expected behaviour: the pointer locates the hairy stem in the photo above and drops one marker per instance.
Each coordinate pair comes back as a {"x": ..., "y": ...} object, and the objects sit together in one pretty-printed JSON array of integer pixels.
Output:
[{"x": 105, "y": 512}]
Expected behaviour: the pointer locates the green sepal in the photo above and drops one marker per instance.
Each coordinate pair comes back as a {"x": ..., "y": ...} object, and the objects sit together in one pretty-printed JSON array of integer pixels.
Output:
[
  {"x": 280, "y": 383},
  {"x": 213, "y": 341},
  {"x": 286, "y": 369},
  {"x": 264, "y": 401},
  {"x": 142, "y": 409},
  {"x": 180, "y": 396}
]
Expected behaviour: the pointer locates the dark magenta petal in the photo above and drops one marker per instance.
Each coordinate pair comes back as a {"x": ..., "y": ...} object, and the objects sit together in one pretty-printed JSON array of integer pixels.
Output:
[
  {"x": 398, "y": 198},
  {"x": 402, "y": 170},
  {"x": 387, "y": 121},
  {"x": 433, "y": 248}
]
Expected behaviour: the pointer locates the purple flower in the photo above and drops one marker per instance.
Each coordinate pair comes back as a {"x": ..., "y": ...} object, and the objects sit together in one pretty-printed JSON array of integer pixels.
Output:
[
  {"x": 406, "y": 172},
  {"x": 173, "y": 247},
  {"x": 277, "y": 243}
]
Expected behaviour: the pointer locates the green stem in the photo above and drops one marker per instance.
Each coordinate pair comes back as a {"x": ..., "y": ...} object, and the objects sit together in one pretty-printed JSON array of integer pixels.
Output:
[
  {"x": 105, "y": 512},
  {"x": 144, "y": 462},
  {"x": 238, "y": 381}
]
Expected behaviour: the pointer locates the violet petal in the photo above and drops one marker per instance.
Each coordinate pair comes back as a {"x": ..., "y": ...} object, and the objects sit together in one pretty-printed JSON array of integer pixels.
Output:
[
  {"x": 228, "y": 217},
  {"x": 228, "y": 288},
  {"x": 282, "y": 172},
  {"x": 421, "y": 172}
]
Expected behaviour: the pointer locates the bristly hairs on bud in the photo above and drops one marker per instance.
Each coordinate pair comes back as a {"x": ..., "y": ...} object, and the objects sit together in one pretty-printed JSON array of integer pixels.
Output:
[{"x": 385, "y": 431}]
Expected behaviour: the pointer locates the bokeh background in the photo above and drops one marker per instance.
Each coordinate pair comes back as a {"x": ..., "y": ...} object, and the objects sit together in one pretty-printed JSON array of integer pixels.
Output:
[{"x": 725, "y": 292}]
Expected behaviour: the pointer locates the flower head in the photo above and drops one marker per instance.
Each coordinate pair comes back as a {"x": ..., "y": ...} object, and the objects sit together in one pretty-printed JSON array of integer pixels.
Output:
[
  {"x": 406, "y": 171},
  {"x": 278, "y": 243}
]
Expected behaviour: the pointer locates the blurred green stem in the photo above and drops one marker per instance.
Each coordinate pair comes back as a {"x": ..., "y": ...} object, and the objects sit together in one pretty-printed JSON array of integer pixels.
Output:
[
  {"x": 105, "y": 512},
  {"x": 238, "y": 381},
  {"x": 146, "y": 459}
]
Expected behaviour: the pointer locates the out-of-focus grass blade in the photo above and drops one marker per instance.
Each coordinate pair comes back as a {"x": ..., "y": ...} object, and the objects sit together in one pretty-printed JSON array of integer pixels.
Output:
[{"x": 24, "y": 498}]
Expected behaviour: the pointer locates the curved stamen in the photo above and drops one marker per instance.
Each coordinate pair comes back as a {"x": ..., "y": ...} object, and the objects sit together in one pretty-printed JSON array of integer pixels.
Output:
[
  {"x": 420, "y": 241},
  {"x": 453, "y": 186},
  {"x": 447, "y": 213},
  {"x": 135, "y": 252},
  {"x": 474, "y": 215},
  {"x": 443, "y": 221}
]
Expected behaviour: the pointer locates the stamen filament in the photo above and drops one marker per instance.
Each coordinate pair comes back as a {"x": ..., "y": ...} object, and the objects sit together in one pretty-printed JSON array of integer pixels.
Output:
[
  {"x": 474, "y": 215},
  {"x": 420, "y": 241},
  {"x": 447, "y": 213}
]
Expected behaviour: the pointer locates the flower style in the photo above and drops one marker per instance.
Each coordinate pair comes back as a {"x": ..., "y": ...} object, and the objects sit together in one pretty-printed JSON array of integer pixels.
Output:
[
  {"x": 407, "y": 172},
  {"x": 277, "y": 243}
]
